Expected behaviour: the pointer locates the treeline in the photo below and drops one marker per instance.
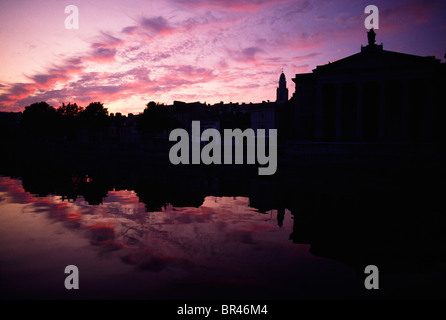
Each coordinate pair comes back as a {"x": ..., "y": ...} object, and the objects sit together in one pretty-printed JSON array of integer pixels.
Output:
[{"x": 42, "y": 120}]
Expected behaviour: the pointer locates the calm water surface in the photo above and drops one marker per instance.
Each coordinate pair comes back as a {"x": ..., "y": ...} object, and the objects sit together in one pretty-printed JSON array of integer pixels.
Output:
[{"x": 224, "y": 248}]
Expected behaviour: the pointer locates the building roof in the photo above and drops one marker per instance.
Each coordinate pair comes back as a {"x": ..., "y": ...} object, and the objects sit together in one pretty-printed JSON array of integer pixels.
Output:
[{"x": 375, "y": 58}]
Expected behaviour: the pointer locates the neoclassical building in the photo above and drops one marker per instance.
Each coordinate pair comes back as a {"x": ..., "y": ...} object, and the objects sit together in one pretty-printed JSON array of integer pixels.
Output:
[{"x": 373, "y": 95}]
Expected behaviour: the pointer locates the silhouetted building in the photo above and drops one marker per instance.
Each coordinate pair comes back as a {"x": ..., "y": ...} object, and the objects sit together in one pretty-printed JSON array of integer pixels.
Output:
[
  {"x": 373, "y": 95},
  {"x": 282, "y": 90},
  {"x": 185, "y": 113},
  {"x": 263, "y": 115},
  {"x": 266, "y": 115}
]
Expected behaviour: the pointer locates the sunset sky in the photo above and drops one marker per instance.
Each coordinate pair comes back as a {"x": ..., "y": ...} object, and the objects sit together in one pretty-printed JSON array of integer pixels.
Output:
[{"x": 127, "y": 53}]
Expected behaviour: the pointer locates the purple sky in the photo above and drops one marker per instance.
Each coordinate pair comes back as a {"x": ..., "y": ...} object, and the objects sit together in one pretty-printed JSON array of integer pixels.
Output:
[{"x": 126, "y": 53}]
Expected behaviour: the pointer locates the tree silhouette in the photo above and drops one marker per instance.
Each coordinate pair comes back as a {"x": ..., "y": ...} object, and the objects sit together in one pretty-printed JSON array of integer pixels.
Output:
[
  {"x": 39, "y": 119},
  {"x": 95, "y": 116},
  {"x": 70, "y": 110},
  {"x": 68, "y": 122},
  {"x": 95, "y": 109},
  {"x": 155, "y": 119}
]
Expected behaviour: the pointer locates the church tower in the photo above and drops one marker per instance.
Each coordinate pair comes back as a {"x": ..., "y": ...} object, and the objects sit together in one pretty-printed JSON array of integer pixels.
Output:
[{"x": 282, "y": 90}]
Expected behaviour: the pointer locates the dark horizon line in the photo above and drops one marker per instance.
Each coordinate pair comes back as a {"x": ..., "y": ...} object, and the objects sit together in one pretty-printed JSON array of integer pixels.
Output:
[{"x": 204, "y": 104}]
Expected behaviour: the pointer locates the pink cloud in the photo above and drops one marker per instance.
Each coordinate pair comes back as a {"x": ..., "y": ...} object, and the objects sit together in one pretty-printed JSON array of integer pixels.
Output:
[
  {"x": 107, "y": 41},
  {"x": 245, "y": 55},
  {"x": 150, "y": 27},
  {"x": 105, "y": 49},
  {"x": 130, "y": 29},
  {"x": 20, "y": 94},
  {"x": 209, "y": 42},
  {"x": 16, "y": 91},
  {"x": 158, "y": 25},
  {"x": 113, "y": 87},
  {"x": 103, "y": 55},
  {"x": 196, "y": 74},
  {"x": 233, "y": 5}
]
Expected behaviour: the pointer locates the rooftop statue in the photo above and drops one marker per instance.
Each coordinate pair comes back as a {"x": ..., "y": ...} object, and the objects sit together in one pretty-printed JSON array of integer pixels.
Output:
[{"x": 371, "y": 36}]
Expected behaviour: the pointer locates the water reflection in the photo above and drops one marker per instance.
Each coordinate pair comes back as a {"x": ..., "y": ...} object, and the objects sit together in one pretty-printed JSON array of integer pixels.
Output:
[
  {"x": 169, "y": 234},
  {"x": 224, "y": 239},
  {"x": 121, "y": 221}
]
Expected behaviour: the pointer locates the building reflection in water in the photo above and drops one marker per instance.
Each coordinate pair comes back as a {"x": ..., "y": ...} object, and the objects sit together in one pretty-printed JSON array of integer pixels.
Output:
[{"x": 222, "y": 227}]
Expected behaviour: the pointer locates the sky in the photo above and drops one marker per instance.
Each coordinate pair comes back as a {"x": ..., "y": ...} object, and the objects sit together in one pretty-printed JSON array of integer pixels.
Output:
[{"x": 126, "y": 53}]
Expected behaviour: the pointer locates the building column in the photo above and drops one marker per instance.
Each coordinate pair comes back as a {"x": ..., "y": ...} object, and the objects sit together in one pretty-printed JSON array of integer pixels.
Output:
[
  {"x": 319, "y": 112},
  {"x": 428, "y": 131},
  {"x": 339, "y": 111},
  {"x": 405, "y": 110},
  {"x": 359, "y": 110},
  {"x": 297, "y": 124},
  {"x": 382, "y": 110}
]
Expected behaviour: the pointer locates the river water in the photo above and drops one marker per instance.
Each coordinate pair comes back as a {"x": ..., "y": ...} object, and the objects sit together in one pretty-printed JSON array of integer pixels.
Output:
[{"x": 222, "y": 246}]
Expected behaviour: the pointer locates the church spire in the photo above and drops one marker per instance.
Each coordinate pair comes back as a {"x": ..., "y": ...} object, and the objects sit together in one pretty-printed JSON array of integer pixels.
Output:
[{"x": 282, "y": 90}]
